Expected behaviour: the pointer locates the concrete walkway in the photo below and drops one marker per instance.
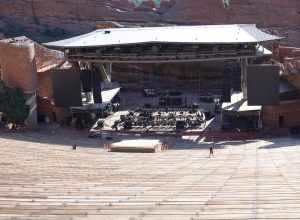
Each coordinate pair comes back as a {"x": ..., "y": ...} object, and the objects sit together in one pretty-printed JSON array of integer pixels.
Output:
[{"x": 244, "y": 180}]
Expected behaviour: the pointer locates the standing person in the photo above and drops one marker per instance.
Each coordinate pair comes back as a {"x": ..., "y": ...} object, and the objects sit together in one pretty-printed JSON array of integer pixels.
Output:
[{"x": 211, "y": 149}]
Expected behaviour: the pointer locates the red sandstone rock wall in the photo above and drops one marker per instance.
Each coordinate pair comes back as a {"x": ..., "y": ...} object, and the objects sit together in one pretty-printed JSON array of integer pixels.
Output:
[
  {"x": 18, "y": 66},
  {"x": 289, "y": 111},
  {"x": 283, "y": 16}
]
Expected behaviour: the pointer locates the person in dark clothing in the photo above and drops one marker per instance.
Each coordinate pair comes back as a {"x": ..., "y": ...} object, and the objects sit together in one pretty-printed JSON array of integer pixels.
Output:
[{"x": 211, "y": 149}]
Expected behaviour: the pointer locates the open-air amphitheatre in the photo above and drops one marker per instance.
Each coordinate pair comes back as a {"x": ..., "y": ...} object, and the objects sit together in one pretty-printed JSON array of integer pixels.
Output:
[{"x": 149, "y": 110}]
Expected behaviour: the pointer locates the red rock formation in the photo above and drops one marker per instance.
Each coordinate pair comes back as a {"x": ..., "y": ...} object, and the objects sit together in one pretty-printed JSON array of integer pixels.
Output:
[
  {"x": 18, "y": 64},
  {"x": 81, "y": 16}
]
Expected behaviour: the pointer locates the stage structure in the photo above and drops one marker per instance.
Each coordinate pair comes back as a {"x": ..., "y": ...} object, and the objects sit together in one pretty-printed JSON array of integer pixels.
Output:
[{"x": 171, "y": 44}]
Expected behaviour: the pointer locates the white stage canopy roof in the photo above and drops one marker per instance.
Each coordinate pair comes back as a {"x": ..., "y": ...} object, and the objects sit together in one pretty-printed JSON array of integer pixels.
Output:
[{"x": 206, "y": 34}]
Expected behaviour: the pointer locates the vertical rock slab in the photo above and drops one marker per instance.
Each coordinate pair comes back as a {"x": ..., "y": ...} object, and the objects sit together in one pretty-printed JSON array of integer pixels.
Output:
[{"x": 17, "y": 61}]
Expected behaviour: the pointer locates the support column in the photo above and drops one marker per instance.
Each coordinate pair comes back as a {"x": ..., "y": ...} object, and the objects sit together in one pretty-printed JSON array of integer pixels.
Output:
[
  {"x": 32, "y": 119},
  {"x": 106, "y": 70},
  {"x": 244, "y": 66}
]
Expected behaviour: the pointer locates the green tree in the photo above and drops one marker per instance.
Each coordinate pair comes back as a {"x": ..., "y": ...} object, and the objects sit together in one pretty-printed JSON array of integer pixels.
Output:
[{"x": 13, "y": 104}]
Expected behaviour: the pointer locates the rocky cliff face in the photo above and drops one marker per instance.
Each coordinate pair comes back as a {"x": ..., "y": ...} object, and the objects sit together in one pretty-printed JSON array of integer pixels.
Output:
[{"x": 44, "y": 19}]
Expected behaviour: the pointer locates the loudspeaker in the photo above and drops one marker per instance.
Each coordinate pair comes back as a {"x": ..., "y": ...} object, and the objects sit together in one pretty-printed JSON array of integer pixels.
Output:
[
  {"x": 263, "y": 84},
  {"x": 66, "y": 88},
  {"x": 86, "y": 80},
  {"x": 180, "y": 125},
  {"x": 176, "y": 101},
  {"x": 236, "y": 77},
  {"x": 127, "y": 125},
  {"x": 96, "y": 79},
  {"x": 226, "y": 89},
  {"x": 171, "y": 101},
  {"x": 226, "y": 94}
]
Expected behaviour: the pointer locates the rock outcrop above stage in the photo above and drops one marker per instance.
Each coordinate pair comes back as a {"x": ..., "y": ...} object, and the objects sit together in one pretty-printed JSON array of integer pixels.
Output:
[{"x": 44, "y": 19}]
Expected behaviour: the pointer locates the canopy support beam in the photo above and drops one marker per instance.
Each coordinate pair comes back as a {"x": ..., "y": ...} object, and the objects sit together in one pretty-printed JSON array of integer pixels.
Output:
[{"x": 244, "y": 72}]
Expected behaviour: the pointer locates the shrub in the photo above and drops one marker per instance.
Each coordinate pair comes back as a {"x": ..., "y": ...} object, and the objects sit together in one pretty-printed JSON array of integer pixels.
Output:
[{"x": 13, "y": 104}]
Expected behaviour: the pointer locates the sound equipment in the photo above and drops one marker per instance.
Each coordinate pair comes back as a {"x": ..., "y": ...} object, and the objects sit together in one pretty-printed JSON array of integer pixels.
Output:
[
  {"x": 236, "y": 77},
  {"x": 86, "y": 81},
  {"x": 176, "y": 101},
  {"x": 100, "y": 124},
  {"x": 175, "y": 93},
  {"x": 226, "y": 89},
  {"x": 263, "y": 84},
  {"x": 179, "y": 119},
  {"x": 147, "y": 105},
  {"x": 180, "y": 125},
  {"x": 170, "y": 101},
  {"x": 128, "y": 125},
  {"x": 226, "y": 94},
  {"x": 122, "y": 117},
  {"x": 162, "y": 102},
  {"x": 66, "y": 88},
  {"x": 150, "y": 93},
  {"x": 96, "y": 79}
]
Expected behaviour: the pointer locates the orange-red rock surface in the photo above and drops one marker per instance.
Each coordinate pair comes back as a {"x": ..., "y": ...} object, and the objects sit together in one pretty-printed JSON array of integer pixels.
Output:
[
  {"x": 54, "y": 18},
  {"x": 21, "y": 59}
]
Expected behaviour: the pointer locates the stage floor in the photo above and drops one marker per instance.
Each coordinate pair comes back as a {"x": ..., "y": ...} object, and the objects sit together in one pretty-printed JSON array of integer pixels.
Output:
[{"x": 137, "y": 146}]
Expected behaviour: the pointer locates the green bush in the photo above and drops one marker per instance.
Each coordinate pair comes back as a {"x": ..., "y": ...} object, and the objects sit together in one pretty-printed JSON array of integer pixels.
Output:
[{"x": 13, "y": 104}]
